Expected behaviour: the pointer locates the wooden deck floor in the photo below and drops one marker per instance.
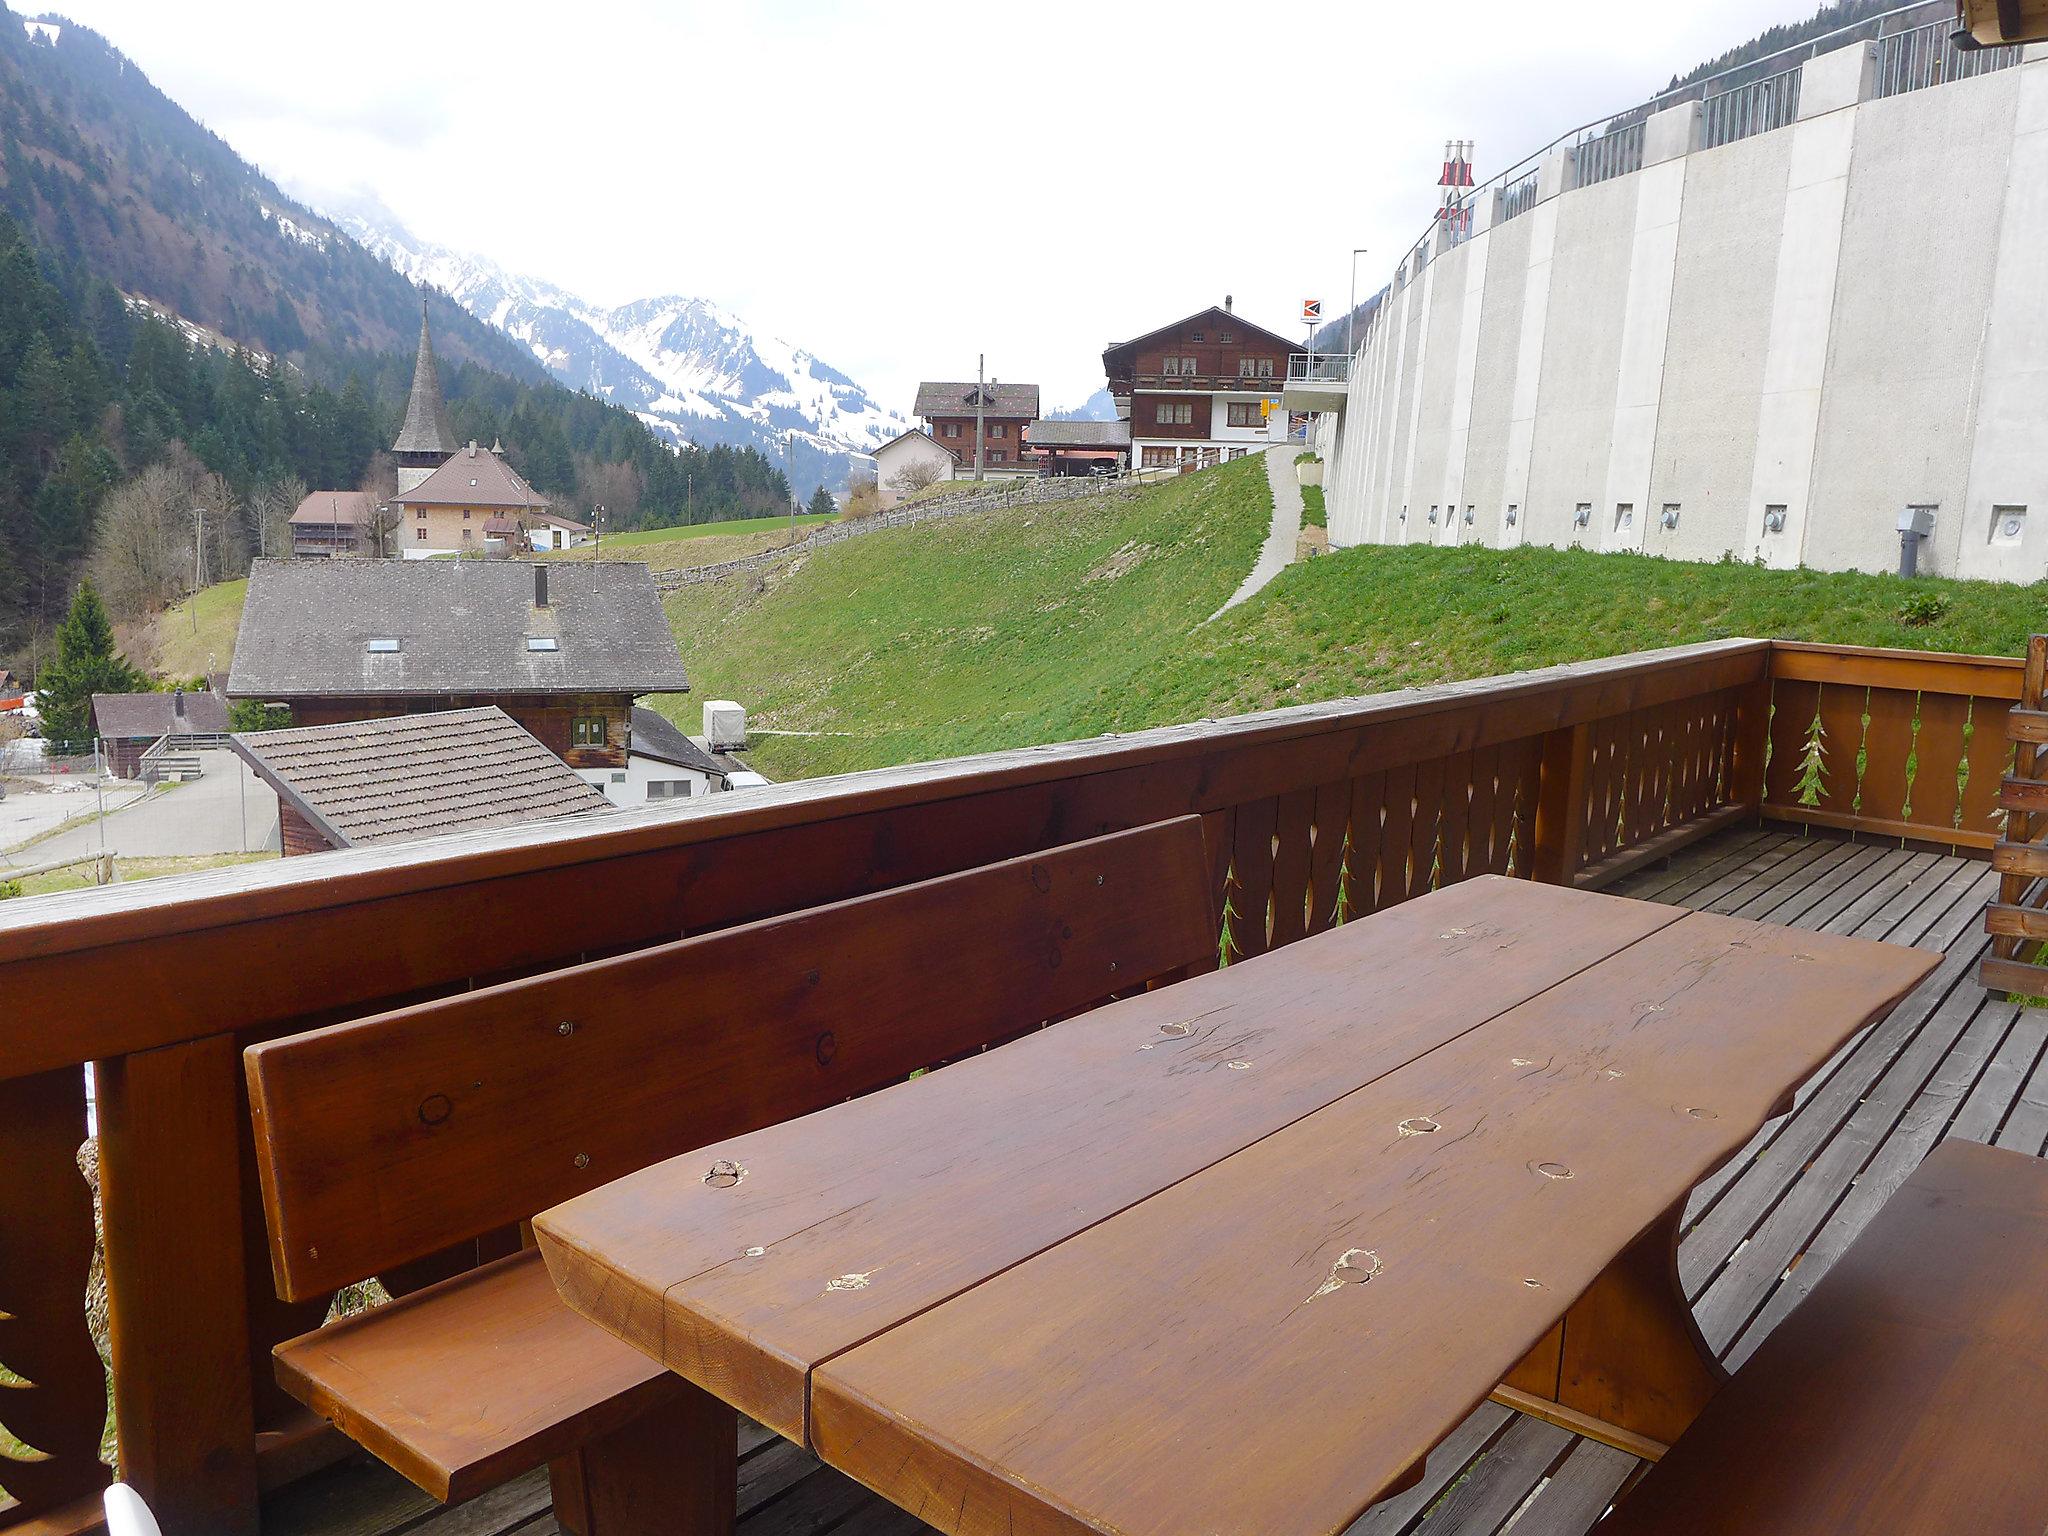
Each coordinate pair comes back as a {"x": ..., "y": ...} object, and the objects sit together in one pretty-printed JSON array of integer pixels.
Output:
[{"x": 1949, "y": 1062}]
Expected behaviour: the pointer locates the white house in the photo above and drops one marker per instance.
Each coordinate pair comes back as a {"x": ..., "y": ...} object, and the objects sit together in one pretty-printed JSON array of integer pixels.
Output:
[{"x": 912, "y": 448}]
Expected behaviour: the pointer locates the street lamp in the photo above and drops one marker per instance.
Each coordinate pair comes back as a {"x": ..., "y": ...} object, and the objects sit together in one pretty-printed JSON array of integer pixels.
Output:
[{"x": 198, "y": 563}]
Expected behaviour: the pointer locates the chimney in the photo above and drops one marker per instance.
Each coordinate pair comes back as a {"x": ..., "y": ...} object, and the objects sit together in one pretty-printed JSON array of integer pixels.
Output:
[
  {"x": 178, "y": 703},
  {"x": 472, "y": 447},
  {"x": 1227, "y": 308},
  {"x": 540, "y": 586}
]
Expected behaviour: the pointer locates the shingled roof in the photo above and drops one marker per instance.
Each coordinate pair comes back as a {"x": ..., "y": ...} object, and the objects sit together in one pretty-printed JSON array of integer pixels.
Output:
[
  {"x": 120, "y": 716},
  {"x": 426, "y": 428},
  {"x": 451, "y": 627},
  {"x": 658, "y": 737},
  {"x": 946, "y": 398},
  {"x": 1078, "y": 434},
  {"x": 474, "y": 477},
  {"x": 338, "y": 509},
  {"x": 386, "y": 781}
]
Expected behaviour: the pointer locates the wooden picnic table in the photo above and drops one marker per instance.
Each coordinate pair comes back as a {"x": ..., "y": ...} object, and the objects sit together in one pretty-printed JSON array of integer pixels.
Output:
[{"x": 1233, "y": 1255}]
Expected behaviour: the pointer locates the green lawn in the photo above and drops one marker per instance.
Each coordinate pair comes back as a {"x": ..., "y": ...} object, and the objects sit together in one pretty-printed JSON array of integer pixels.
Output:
[
  {"x": 187, "y": 638},
  {"x": 702, "y": 530},
  {"x": 1059, "y": 622}
]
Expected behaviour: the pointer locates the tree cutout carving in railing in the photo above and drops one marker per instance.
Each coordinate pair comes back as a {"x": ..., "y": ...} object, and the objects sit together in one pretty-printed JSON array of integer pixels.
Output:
[
  {"x": 53, "y": 1388},
  {"x": 1890, "y": 743},
  {"x": 2017, "y": 919}
]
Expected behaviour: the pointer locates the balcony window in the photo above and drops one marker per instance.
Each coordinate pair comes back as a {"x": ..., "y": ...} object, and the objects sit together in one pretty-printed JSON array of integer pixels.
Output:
[
  {"x": 587, "y": 731},
  {"x": 1174, "y": 413}
]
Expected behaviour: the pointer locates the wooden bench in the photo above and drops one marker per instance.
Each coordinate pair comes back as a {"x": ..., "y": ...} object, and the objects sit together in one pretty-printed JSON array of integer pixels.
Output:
[
  {"x": 1905, "y": 1394},
  {"x": 383, "y": 1141}
]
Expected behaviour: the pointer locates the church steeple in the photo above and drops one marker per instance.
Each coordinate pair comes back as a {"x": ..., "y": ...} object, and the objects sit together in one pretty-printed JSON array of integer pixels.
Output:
[{"x": 426, "y": 440}]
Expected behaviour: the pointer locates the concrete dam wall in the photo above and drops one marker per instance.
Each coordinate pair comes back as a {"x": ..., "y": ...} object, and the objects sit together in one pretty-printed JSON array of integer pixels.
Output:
[{"x": 1772, "y": 348}]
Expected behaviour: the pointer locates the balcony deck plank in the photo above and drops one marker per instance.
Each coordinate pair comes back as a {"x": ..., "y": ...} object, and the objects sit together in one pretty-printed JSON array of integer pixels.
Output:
[{"x": 1948, "y": 1062}]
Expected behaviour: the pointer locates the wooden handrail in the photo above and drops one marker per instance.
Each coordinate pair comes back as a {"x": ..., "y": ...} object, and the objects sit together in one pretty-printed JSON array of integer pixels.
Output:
[{"x": 1310, "y": 814}]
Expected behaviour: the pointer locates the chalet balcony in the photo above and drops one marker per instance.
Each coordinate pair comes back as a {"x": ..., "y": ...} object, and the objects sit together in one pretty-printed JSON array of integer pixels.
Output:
[
  {"x": 1682, "y": 776},
  {"x": 1317, "y": 381}
]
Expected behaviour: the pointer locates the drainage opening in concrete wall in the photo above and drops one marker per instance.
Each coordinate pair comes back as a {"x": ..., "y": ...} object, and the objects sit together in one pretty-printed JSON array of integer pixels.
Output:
[
  {"x": 1669, "y": 517},
  {"x": 1774, "y": 517},
  {"x": 1624, "y": 516},
  {"x": 2008, "y": 524}
]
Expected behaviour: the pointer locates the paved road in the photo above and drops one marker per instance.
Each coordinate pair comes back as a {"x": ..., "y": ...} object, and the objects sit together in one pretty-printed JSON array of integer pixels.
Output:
[
  {"x": 213, "y": 814},
  {"x": 1278, "y": 550}
]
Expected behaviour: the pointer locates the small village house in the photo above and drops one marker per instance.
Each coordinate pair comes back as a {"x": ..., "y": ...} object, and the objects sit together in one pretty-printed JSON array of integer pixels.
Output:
[
  {"x": 331, "y": 523},
  {"x": 1199, "y": 391},
  {"x": 563, "y": 648},
  {"x": 474, "y": 504},
  {"x": 362, "y": 782},
  {"x": 949, "y": 411},
  {"x": 907, "y": 458},
  {"x": 129, "y": 724}
]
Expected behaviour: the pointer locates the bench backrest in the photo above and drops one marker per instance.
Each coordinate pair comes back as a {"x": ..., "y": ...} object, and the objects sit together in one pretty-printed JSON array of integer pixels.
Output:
[{"x": 385, "y": 1139}]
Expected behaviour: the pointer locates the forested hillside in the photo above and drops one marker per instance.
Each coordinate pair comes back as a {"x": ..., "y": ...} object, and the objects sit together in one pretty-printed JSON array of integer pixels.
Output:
[{"x": 175, "y": 333}]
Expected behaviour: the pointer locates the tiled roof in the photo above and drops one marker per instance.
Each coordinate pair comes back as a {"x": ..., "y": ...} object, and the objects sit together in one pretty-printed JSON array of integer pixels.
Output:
[
  {"x": 658, "y": 737},
  {"x": 914, "y": 432},
  {"x": 384, "y": 781},
  {"x": 426, "y": 428},
  {"x": 339, "y": 509},
  {"x": 119, "y": 716},
  {"x": 1078, "y": 434},
  {"x": 474, "y": 477},
  {"x": 459, "y": 627},
  {"x": 945, "y": 398}
]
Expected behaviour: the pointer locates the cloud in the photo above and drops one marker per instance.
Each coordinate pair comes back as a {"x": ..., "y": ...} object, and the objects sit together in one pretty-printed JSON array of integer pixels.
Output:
[{"x": 901, "y": 186}]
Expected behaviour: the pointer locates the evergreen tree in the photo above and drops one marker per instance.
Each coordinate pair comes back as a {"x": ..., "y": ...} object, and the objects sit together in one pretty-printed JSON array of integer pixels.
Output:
[
  {"x": 86, "y": 663},
  {"x": 822, "y": 504}
]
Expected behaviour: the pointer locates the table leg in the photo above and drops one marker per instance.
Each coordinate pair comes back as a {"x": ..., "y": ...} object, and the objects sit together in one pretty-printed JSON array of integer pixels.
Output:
[
  {"x": 671, "y": 1471},
  {"x": 1627, "y": 1365}
]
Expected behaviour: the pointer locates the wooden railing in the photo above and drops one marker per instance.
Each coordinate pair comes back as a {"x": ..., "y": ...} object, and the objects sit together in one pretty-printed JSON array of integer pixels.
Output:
[
  {"x": 1311, "y": 815},
  {"x": 1895, "y": 743}
]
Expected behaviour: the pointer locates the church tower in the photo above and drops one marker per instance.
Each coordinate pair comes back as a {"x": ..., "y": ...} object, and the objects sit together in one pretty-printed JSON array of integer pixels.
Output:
[{"x": 426, "y": 441}]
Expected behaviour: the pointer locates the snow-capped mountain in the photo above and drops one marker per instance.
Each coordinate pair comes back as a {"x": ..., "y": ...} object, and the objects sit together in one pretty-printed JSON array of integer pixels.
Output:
[{"x": 686, "y": 367}]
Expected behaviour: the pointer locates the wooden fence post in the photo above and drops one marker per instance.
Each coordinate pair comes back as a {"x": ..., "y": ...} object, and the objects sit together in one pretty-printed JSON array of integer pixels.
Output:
[
  {"x": 172, "y": 1197},
  {"x": 1561, "y": 804}
]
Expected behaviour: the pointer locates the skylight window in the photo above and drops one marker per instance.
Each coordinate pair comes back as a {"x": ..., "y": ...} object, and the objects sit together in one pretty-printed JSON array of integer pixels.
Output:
[
  {"x": 542, "y": 643},
  {"x": 382, "y": 647}
]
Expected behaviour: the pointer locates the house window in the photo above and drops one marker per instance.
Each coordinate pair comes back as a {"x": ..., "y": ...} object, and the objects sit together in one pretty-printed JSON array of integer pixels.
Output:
[
  {"x": 1170, "y": 367},
  {"x": 587, "y": 731},
  {"x": 1158, "y": 458},
  {"x": 998, "y": 430},
  {"x": 952, "y": 429},
  {"x": 420, "y": 535},
  {"x": 1195, "y": 338},
  {"x": 466, "y": 534},
  {"x": 997, "y": 456},
  {"x": 542, "y": 643},
  {"x": 1247, "y": 368},
  {"x": 1243, "y": 413},
  {"x": 1265, "y": 367},
  {"x": 420, "y": 513},
  {"x": 1175, "y": 413},
  {"x": 668, "y": 789},
  {"x": 382, "y": 646},
  {"x": 465, "y": 514},
  {"x": 1225, "y": 338}
]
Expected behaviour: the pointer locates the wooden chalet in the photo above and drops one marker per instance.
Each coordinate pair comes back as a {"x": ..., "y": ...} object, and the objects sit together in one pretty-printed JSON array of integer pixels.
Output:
[
  {"x": 564, "y": 649},
  {"x": 385, "y": 1061},
  {"x": 951, "y": 409},
  {"x": 1201, "y": 390}
]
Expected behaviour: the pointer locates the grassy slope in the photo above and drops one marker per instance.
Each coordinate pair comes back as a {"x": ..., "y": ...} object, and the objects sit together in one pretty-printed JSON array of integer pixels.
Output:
[
  {"x": 965, "y": 636},
  {"x": 1031, "y": 624},
  {"x": 180, "y": 642}
]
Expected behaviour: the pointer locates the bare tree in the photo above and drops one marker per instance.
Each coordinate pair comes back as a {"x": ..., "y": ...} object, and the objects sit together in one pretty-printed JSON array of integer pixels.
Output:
[
  {"x": 152, "y": 542},
  {"x": 270, "y": 510},
  {"x": 863, "y": 498},
  {"x": 917, "y": 475}
]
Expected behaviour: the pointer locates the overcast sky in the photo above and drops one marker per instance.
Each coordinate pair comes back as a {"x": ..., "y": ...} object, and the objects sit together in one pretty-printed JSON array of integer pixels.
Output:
[{"x": 896, "y": 187}]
